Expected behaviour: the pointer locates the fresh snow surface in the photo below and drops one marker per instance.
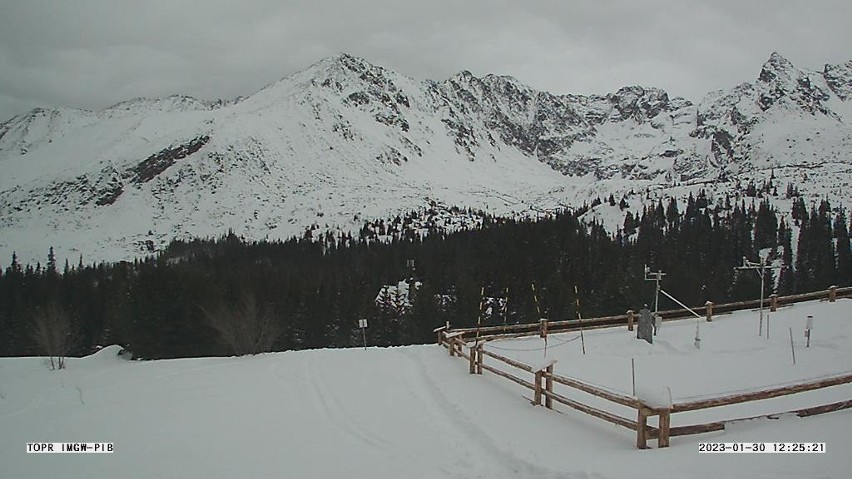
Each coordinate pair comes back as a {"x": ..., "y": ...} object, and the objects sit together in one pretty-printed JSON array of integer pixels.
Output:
[{"x": 414, "y": 412}]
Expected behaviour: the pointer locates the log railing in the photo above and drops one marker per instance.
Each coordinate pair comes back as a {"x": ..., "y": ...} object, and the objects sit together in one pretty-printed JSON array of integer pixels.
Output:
[
  {"x": 543, "y": 382},
  {"x": 708, "y": 310},
  {"x": 759, "y": 395},
  {"x": 543, "y": 388}
]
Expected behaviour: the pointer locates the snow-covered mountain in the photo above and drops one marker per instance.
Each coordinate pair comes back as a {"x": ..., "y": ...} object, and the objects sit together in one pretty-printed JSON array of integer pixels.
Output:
[{"x": 345, "y": 141}]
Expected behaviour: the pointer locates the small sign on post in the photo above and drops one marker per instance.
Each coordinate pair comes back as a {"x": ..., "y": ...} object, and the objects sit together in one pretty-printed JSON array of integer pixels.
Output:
[{"x": 362, "y": 323}]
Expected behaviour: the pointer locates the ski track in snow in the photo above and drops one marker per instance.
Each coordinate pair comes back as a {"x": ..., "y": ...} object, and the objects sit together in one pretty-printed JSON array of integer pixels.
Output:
[
  {"x": 474, "y": 434},
  {"x": 335, "y": 414}
]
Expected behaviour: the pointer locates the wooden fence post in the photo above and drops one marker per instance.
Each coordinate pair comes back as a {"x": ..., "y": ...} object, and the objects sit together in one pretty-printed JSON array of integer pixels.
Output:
[
  {"x": 630, "y": 320},
  {"x": 451, "y": 345},
  {"x": 709, "y": 306},
  {"x": 642, "y": 428},
  {"x": 548, "y": 401},
  {"x": 773, "y": 303},
  {"x": 537, "y": 397},
  {"x": 832, "y": 294},
  {"x": 472, "y": 353},
  {"x": 545, "y": 370},
  {"x": 664, "y": 427},
  {"x": 440, "y": 333},
  {"x": 543, "y": 329},
  {"x": 479, "y": 359}
]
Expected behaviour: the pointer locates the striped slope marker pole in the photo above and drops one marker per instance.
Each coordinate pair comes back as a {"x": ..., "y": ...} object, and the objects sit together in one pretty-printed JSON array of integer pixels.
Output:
[
  {"x": 580, "y": 319},
  {"x": 542, "y": 321}
]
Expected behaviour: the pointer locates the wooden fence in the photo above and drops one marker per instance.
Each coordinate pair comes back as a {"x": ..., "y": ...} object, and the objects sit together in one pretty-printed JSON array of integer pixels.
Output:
[
  {"x": 544, "y": 378},
  {"x": 709, "y": 309}
]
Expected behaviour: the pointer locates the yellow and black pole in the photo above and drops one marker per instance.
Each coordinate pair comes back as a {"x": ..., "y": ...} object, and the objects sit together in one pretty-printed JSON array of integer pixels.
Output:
[
  {"x": 543, "y": 321},
  {"x": 580, "y": 319},
  {"x": 505, "y": 308},
  {"x": 481, "y": 312}
]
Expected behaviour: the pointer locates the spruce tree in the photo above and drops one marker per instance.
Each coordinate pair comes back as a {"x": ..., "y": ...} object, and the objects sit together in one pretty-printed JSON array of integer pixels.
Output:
[
  {"x": 765, "y": 226},
  {"x": 51, "y": 262},
  {"x": 844, "y": 255},
  {"x": 785, "y": 281}
]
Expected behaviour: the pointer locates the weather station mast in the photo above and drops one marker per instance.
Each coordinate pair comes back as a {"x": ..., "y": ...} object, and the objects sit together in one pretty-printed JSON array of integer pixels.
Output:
[
  {"x": 760, "y": 268},
  {"x": 656, "y": 277}
]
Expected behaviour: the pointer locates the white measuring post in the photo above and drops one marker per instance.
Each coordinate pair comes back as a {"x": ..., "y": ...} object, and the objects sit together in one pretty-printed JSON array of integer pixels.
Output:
[
  {"x": 809, "y": 326},
  {"x": 362, "y": 323},
  {"x": 633, "y": 374}
]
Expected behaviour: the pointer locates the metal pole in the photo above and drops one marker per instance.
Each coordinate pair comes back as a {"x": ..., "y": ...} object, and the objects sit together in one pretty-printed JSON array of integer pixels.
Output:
[
  {"x": 505, "y": 308},
  {"x": 479, "y": 318},
  {"x": 633, "y": 374},
  {"x": 760, "y": 268},
  {"x": 580, "y": 319},
  {"x": 792, "y": 349},
  {"x": 538, "y": 310},
  {"x": 762, "y": 271},
  {"x": 697, "y": 343},
  {"x": 364, "y": 335},
  {"x": 655, "y": 277},
  {"x": 657, "y": 296}
]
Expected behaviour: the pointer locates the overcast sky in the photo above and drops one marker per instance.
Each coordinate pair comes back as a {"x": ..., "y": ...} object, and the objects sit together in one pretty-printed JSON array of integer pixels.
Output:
[{"x": 94, "y": 53}]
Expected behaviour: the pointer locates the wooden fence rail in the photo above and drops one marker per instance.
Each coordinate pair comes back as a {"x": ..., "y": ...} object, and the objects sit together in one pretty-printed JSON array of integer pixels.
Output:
[
  {"x": 596, "y": 391},
  {"x": 730, "y": 399},
  {"x": 530, "y": 329},
  {"x": 750, "y": 396},
  {"x": 476, "y": 354},
  {"x": 544, "y": 373}
]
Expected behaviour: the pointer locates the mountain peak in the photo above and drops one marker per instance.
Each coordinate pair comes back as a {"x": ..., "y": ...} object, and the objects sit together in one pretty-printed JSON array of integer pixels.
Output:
[
  {"x": 839, "y": 79},
  {"x": 338, "y": 62},
  {"x": 168, "y": 103},
  {"x": 350, "y": 61},
  {"x": 345, "y": 140},
  {"x": 775, "y": 68}
]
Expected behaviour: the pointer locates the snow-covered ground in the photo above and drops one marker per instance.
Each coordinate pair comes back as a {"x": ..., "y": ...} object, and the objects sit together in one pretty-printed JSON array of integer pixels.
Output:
[{"x": 414, "y": 412}]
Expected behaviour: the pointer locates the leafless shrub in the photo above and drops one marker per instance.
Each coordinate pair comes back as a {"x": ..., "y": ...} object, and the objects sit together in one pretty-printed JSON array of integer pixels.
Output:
[
  {"x": 246, "y": 327},
  {"x": 54, "y": 333}
]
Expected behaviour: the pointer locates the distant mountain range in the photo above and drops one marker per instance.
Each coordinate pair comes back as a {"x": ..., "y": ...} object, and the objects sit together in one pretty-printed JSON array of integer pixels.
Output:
[{"x": 346, "y": 141}]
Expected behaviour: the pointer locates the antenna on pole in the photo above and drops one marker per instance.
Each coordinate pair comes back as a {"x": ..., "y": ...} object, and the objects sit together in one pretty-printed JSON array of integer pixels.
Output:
[
  {"x": 760, "y": 268},
  {"x": 656, "y": 277}
]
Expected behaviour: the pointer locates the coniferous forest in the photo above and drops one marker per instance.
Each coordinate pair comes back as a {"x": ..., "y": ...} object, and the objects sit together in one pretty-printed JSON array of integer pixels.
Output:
[{"x": 229, "y": 296}]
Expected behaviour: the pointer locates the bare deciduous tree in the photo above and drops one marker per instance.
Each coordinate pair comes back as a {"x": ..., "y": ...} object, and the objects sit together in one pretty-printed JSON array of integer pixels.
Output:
[
  {"x": 246, "y": 328},
  {"x": 54, "y": 333}
]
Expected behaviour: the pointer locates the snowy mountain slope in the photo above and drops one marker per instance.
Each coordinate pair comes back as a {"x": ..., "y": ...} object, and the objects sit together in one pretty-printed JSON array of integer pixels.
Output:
[
  {"x": 345, "y": 141},
  {"x": 415, "y": 412}
]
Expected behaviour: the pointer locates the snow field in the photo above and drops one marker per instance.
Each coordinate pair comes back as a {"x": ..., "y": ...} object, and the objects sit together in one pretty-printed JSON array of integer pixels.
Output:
[{"x": 415, "y": 412}]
